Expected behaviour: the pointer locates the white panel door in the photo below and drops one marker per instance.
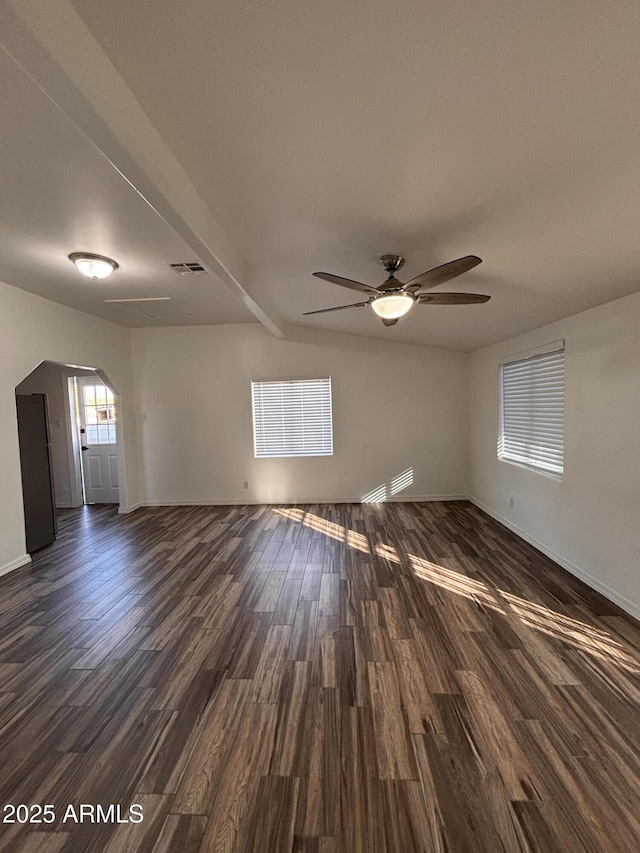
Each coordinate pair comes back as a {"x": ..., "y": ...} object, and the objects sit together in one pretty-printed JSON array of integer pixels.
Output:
[{"x": 99, "y": 457}]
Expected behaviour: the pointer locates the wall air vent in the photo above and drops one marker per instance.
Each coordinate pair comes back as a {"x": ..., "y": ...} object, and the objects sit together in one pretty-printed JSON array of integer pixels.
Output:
[{"x": 189, "y": 268}]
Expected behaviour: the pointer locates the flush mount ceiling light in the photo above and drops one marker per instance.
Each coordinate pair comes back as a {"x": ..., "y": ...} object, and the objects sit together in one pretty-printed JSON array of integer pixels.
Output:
[
  {"x": 93, "y": 266},
  {"x": 392, "y": 305}
]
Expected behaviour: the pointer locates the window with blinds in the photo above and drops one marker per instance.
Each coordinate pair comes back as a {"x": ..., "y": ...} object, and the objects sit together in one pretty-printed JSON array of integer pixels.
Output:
[
  {"x": 532, "y": 412},
  {"x": 292, "y": 417}
]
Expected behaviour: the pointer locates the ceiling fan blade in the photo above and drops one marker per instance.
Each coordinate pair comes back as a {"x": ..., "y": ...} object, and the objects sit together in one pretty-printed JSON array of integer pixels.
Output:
[
  {"x": 452, "y": 298},
  {"x": 339, "y": 308},
  {"x": 346, "y": 282},
  {"x": 441, "y": 274},
  {"x": 389, "y": 322}
]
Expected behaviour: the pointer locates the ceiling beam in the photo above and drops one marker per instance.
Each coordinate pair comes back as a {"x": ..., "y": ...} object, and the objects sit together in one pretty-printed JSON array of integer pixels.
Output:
[{"x": 53, "y": 46}]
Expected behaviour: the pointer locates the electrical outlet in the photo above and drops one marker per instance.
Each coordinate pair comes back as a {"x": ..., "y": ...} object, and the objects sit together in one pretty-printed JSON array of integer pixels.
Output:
[
  {"x": 246, "y": 484},
  {"x": 511, "y": 501}
]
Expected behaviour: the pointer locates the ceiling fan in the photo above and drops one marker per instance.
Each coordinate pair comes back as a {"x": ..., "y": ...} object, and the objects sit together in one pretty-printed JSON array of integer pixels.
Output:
[{"x": 392, "y": 299}]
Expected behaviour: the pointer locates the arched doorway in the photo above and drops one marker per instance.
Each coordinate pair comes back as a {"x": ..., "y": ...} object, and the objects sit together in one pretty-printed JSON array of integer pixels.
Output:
[{"x": 83, "y": 434}]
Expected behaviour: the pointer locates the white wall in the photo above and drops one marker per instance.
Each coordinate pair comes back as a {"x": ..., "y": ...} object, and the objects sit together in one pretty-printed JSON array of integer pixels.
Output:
[
  {"x": 395, "y": 407},
  {"x": 32, "y": 330},
  {"x": 590, "y": 520}
]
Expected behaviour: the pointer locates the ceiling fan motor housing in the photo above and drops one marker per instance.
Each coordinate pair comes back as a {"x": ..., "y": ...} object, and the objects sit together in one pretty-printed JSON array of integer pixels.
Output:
[{"x": 392, "y": 263}]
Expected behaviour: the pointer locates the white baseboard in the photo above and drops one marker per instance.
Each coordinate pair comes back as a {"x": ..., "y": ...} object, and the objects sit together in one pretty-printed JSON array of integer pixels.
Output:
[
  {"x": 297, "y": 501},
  {"x": 595, "y": 583},
  {"x": 15, "y": 564},
  {"x": 64, "y": 505},
  {"x": 125, "y": 510}
]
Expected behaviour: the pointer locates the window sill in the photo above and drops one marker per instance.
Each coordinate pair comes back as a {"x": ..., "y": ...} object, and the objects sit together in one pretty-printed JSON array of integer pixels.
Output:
[{"x": 553, "y": 475}]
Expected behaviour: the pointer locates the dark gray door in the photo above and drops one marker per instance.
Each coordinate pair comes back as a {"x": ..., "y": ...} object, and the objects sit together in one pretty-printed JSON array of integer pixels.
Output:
[{"x": 35, "y": 461}]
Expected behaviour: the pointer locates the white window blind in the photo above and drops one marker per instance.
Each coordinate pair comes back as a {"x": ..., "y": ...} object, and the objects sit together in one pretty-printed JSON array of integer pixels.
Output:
[
  {"x": 532, "y": 412},
  {"x": 292, "y": 417}
]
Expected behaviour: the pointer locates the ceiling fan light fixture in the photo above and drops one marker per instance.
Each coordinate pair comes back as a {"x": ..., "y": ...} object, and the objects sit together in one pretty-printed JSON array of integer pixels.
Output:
[
  {"x": 93, "y": 266},
  {"x": 391, "y": 306}
]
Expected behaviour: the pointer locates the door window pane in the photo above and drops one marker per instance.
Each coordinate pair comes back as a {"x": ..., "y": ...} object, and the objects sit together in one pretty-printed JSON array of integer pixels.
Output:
[{"x": 99, "y": 414}]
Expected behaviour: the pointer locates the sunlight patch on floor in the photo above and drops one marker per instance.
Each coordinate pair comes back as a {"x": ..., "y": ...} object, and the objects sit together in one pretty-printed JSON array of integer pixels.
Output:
[{"x": 579, "y": 634}]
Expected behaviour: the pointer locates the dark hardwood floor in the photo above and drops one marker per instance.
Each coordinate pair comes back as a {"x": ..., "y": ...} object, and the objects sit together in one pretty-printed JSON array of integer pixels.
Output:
[{"x": 324, "y": 679}]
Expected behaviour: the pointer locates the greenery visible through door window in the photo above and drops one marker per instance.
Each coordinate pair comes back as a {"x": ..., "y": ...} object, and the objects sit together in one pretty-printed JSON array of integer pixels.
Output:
[{"x": 99, "y": 414}]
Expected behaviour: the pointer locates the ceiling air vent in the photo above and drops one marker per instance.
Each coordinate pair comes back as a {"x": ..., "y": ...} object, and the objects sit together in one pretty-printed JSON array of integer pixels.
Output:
[
  {"x": 189, "y": 268},
  {"x": 154, "y": 306}
]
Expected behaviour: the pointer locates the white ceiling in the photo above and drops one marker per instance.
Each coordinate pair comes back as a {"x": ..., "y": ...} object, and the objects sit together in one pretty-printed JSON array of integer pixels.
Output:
[
  {"x": 59, "y": 195},
  {"x": 322, "y": 135}
]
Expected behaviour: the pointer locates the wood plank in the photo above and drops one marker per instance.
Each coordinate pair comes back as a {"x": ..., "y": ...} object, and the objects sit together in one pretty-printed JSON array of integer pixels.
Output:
[
  {"x": 202, "y": 774},
  {"x": 268, "y": 676},
  {"x": 498, "y": 739},
  {"x": 290, "y": 729},
  {"x": 272, "y": 828},
  {"x": 395, "y": 759},
  {"x": 233, "y": 809},
  {"x": 422, "y": 714},
  {"x": 180, "y": 832}
]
